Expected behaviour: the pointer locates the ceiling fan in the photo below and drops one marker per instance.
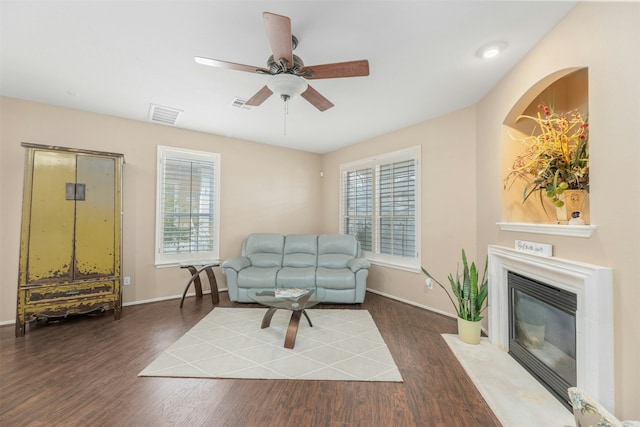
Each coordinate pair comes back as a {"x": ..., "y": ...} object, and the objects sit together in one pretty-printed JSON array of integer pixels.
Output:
[{"x": 288, "y": 72}]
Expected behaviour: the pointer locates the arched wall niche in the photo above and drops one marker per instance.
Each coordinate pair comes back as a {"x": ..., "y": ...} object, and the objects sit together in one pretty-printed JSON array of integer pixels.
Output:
[{"x": 565, "y": 90}]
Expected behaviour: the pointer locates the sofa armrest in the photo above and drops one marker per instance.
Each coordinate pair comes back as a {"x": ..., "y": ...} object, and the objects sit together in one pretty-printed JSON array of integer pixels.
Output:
[
  {"x": 236, "y": 263},
  {"x": 358, "y": 264}
]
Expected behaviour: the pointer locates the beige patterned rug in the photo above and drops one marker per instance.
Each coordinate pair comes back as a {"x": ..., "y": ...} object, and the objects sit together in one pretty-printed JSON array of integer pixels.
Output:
[{"x": 343, "y": 345}]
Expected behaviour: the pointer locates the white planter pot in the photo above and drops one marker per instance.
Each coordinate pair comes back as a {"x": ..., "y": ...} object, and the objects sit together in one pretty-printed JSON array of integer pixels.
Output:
[{"x": 469, "y": 332}]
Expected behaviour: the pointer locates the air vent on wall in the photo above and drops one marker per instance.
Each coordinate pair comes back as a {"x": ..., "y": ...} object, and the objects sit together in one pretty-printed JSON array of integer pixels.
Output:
[{"x": 166, "y": 115}]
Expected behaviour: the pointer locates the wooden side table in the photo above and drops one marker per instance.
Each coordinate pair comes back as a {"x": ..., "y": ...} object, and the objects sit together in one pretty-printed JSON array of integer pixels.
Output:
[{"x": 195, "y": 268}]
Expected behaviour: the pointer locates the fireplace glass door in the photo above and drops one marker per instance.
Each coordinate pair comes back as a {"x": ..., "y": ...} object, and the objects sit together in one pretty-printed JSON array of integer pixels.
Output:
[{"x": 542, "y": 329}]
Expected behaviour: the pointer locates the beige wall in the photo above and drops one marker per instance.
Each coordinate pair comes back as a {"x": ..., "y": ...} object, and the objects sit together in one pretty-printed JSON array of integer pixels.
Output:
[
  {"x": 271, "y": 189},
  {"x": 606, "y": 39},
  {"x": 448, "y": 202},
  {"x": 264, "y": 189}
]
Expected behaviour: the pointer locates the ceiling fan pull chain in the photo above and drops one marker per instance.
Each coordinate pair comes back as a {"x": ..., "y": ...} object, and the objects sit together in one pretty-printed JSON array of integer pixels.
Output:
[{"x": 286, "y": 113}]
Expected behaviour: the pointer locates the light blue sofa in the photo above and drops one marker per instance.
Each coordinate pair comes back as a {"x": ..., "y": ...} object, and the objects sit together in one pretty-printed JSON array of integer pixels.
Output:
[{"x": 330, "y": 261}]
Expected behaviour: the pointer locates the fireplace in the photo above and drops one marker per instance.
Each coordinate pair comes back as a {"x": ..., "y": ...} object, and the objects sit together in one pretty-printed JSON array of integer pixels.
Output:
[
  {"x": 589, "y": 289},
  {"x": 542, "y": 332}
]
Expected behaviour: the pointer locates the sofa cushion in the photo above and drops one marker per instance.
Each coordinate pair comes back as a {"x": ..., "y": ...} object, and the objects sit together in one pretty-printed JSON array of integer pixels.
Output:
[
  {"x": 296, "y": 277},
  {"x": 336, "y": 250},
  {"x": 335, "y": 278},
  {"x": 264, "y": 249},
  {"x": 300, "y": 250},
  {"x": 258, "y": 277}
]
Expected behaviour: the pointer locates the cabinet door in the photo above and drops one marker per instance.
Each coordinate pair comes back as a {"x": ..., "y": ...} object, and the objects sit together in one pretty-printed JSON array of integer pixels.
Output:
[
  {"x": 95, "y": 234},
  {"x": 51, "y": 229}
]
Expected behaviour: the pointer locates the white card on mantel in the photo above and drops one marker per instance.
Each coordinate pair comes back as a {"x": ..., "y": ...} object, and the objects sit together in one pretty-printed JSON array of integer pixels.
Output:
[{"x": 534, "y": 248}]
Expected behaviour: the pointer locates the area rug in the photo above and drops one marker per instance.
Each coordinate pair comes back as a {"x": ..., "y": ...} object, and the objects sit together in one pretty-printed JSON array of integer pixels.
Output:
[{"x": 229, "y": 343}]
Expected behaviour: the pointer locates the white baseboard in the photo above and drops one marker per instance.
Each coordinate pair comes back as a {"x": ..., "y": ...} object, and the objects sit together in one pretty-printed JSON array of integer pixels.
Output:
[
  {"x": 434, "y": 310},
  {"x": 146, "y": 301},
  {"x": 373, "y": 291},
  {"x": 413, "y": 303}
]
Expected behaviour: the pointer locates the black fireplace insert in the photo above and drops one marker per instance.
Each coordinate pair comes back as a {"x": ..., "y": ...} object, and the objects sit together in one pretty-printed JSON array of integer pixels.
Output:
[{"x": 542, "y": 333}]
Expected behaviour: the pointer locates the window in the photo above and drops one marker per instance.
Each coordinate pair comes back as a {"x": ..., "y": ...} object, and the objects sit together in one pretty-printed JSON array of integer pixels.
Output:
[
  {"x": 187, "y": 211},
  {"x": 381, "y": 207}
]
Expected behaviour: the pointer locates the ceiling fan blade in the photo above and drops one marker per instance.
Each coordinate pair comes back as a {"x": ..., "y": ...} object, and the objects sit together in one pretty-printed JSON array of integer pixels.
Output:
[
  {"x": 279, "y": 34},
  {"x": 317, "y": 100},
  {"x": 230, "y": 65},
  {"x": 339, "y": 69},
  {"x": 259, "y": 97}
]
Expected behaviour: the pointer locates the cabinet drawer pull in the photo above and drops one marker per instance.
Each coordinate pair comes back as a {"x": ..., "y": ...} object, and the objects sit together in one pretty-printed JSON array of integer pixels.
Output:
[{"x": 73, "y": 292}]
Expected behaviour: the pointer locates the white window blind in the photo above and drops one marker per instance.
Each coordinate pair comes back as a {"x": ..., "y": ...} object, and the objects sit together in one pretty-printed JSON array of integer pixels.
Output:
[
  {"x": 380, "y": 207},
  {"x": 358, "y": 202},
  {"x": 396, "y": 194},
  {"x": 187, "y": 212}
]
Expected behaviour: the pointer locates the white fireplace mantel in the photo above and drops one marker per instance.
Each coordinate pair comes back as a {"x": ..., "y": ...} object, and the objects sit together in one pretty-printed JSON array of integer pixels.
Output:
[
  {"x": 584, "y": 231},
  {"x": 593, "y": 286}
]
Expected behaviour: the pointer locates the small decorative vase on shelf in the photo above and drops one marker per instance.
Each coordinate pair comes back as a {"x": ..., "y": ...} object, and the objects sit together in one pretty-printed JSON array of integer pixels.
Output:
[
  {"x": 469, "y": 332},
  {"x": 575, "y": 210}
]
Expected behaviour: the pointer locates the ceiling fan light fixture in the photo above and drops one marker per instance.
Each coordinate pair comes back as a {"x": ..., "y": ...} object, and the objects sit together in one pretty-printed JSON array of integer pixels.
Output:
[{"x": 287, "y": 85}]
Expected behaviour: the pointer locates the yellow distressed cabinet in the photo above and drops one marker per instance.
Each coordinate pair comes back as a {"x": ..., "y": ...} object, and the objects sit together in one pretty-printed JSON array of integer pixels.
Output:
[{"x": 70, "y": 244}]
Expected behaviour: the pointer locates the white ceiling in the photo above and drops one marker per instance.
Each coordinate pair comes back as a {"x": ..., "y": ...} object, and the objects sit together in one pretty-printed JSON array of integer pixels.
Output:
[{"x": 118, "y": 57}]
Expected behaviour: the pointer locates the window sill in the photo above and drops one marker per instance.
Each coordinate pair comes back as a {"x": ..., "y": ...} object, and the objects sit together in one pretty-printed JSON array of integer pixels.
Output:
[
  {"x": 394, "y": 266},
  {"x": 583, "y": 231},
  {"x": 173, "y": 264}
]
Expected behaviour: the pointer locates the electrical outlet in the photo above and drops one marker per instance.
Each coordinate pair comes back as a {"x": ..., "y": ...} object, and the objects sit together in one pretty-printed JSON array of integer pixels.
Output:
[
  {"x": 127, "y": 280},
  {"x": 429, "y": 283}
]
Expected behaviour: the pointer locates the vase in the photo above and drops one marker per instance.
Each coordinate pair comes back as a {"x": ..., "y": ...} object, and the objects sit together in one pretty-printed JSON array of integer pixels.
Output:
[
  {"x": 575, "y": 209},
  {"x": 469, "y": 331}
]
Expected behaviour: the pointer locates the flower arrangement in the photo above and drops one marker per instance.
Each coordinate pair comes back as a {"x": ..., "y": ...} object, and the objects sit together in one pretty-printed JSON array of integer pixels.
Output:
[{"x": 556, "y": 157}]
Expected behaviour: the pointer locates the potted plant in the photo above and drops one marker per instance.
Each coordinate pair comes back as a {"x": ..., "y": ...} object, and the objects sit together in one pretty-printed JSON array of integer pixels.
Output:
[
  {"x": 471, "y": 294},
  {"x": 556, "y": 159}
]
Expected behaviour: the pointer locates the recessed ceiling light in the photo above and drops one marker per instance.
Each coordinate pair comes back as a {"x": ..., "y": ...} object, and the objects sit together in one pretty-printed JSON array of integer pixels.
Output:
[{"x": 491, "y": 50}]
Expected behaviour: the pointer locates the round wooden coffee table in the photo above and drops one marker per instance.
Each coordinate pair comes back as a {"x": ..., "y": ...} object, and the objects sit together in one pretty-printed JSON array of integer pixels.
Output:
[{"x": 293, "y": 302}]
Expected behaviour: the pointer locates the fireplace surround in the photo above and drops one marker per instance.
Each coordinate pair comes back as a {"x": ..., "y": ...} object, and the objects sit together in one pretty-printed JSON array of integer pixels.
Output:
[{"x": 593, "y": 287}]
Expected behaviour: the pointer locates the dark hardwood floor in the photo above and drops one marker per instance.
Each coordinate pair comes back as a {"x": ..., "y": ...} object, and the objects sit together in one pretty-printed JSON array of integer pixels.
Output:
[{"x": 84, "y": 372}]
